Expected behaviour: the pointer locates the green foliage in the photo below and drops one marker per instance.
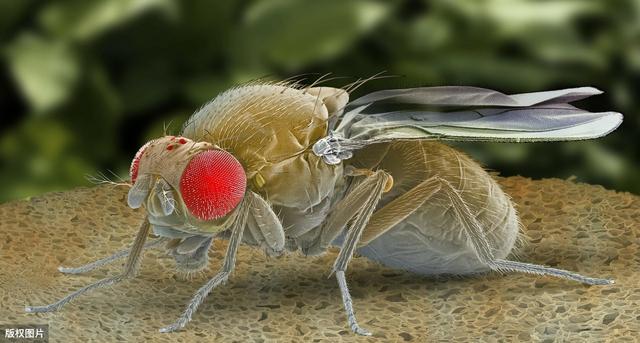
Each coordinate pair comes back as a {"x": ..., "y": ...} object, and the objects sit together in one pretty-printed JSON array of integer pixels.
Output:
[
  {"x": 84, "y": 20},
  {"x": 45, "y": 70},
  {"x": 85, "y": 83},
  {"x": 291, "y": 34}
]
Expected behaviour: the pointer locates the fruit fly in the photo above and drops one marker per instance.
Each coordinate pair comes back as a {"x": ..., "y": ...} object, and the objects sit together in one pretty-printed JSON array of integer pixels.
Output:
[{"x": 289, "y": 168}]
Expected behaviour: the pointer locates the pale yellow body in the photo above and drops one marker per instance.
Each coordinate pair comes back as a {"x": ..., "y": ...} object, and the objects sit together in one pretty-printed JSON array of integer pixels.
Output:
[
  {"x": 270, "y": 129},
  {"x": 409, "y": 204}
]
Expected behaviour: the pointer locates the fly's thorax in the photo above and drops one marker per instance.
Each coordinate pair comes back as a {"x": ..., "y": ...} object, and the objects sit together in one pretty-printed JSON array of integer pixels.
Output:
[
  {"x": 271, "y": 128},
  {"x": 186, "y": 185}
]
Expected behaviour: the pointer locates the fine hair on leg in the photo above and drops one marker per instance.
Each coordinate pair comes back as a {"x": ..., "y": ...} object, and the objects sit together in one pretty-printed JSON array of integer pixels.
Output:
[
  {"x": 130, "y": 269},
  {"x": 484, "y": 251},
  {"x": 348, "y": 305},
  {"x": 529, "y": 268},
  {"x": 373, "y": 186},
  {"x": 229, "y": 263},
  {"x": 109, "y": 259}
]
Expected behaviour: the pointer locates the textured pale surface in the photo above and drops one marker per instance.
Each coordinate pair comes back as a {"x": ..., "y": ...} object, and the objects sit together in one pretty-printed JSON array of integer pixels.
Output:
[{"x": 574, "y": 226}]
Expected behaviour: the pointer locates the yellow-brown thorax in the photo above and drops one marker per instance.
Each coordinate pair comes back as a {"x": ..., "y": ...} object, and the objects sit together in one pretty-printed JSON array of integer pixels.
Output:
[{"x": 270, "y": 129}]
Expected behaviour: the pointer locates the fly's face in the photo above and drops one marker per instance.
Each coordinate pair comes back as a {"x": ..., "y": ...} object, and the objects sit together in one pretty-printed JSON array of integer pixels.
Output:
[{"x": 186, "y": 187}]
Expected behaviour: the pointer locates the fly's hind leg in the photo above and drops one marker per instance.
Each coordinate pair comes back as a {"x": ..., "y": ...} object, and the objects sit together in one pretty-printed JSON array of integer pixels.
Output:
[
  {"x": 367, "y": 226},
  {"x": 401, "y": 207},
  {"x": 109, "y": 259},
  {"x": 478, "y": 242},
  {"x": 130, "y": 270},
  {"x": 521, "y": 267}
]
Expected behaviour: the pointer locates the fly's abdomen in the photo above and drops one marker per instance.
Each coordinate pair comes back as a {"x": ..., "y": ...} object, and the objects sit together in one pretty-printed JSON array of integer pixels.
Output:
[
  {"x": 270, "y": 129},
  {"x": 431, "y": 240}
]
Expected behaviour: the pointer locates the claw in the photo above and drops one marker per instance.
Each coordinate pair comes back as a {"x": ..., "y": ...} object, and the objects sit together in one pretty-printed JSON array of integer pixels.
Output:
[
  {"x": 360, "y": 331},
  {"x": 38, "y": 309},
  {"x": 170, "y": 328},
  {"x": 66, "y": 270}
]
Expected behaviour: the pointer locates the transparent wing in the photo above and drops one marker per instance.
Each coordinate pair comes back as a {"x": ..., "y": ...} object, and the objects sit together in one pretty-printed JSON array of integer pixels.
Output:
[
  {"x": 464, "y": 114},
  {"x": 459, "y": 96},
  {"x": 552, "y": 122}
]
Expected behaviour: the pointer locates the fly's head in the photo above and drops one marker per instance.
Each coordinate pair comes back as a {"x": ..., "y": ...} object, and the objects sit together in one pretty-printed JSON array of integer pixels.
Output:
[{"x": 186, "y": 186}]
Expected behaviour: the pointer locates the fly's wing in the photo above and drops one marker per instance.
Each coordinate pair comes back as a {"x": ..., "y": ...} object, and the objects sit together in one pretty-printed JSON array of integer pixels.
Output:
[
  {"x": 465, "y": 114},
  {"x": 550, "y": 122},
  {"x": 457, "y": 96}
]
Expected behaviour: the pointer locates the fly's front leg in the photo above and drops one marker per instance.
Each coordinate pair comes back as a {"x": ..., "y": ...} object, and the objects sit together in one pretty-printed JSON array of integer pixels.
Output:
[
  {"x": 104, "y": 261},
  {"x": 229, "y": 263},
  {"x": 130, "y": 270},
  {"x": 358, "y": 205}
]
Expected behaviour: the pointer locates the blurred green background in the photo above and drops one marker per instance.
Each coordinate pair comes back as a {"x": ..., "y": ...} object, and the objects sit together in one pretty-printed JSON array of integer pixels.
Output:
[{"x": 83, "y": 84}]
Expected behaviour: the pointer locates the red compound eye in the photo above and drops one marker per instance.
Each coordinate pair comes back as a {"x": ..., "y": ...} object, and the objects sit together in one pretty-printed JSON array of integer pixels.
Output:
[
  {"x": 135, "y": 164},
  {"x": 212, "y": 184}
]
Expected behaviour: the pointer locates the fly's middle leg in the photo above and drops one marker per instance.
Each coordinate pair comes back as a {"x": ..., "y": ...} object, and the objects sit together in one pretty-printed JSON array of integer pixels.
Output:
[
  {"x": 356, "y": 207},
  {"x": 399, "y": 209}
]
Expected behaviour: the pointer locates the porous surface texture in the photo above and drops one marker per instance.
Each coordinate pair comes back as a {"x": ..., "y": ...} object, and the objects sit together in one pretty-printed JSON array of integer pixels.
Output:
[{"x": 579, "y": 227}]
